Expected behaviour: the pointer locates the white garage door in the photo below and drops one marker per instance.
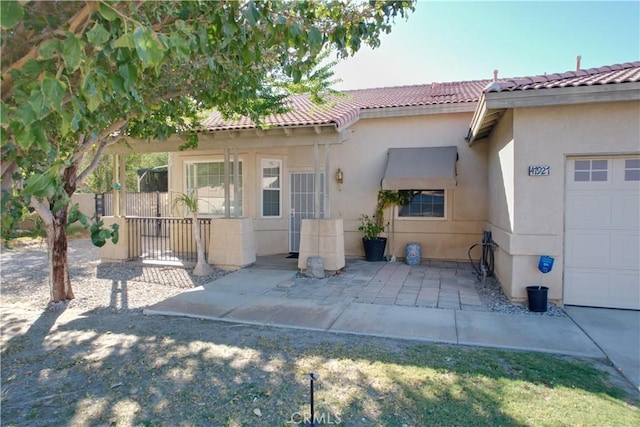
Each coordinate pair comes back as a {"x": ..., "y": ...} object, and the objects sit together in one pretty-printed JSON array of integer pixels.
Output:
[{"x": 602, "y": 232}]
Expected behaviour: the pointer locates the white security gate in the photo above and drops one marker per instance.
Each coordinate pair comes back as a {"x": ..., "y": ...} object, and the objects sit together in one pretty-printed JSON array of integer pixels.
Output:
[
  {"x": 602, "y": 232},
  {"x": 302, "y": 204}
]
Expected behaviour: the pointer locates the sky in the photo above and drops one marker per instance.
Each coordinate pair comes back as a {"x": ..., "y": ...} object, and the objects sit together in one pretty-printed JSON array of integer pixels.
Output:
[{"x": 446, "y": 41}]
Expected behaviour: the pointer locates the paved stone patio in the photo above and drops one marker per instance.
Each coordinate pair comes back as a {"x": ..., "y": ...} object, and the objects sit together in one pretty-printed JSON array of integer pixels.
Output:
[{"x": 437, "y": 284}]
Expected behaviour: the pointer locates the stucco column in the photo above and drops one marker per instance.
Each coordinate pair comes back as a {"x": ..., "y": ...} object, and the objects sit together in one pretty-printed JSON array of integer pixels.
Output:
[
  {"x": 236, "y": 184},
  {"x": 227, "y": 179},
  {"x": 327, "y": 187},
  {"x": 120, "y": 251},
  {"x": 114, "y": 179},
  {"x": 232, "y": 243},
  {"x": 322, "y": 238},
  {"x": 122, "y": 173},
  {"x": 316, "y": 180},
  {"x": 119, "y": 177}
]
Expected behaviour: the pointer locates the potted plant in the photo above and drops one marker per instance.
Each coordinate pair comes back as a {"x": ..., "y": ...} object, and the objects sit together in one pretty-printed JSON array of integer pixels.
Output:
[
  {"x": 374, "y": 245},
  {"x": 386, "y": 199}
]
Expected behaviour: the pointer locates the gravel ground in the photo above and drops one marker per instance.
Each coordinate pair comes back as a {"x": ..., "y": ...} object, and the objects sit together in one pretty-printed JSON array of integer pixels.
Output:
[
  {"x": 495, "y": 300},
  {"x": 117, "y": 287}
]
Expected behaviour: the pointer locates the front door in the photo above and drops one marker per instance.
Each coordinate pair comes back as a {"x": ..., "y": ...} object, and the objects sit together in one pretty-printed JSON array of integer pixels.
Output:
[{"x": 302, "y": 204}]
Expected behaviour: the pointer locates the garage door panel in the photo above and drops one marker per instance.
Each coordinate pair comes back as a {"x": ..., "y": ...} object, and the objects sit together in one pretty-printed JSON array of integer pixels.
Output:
[
  {"x": 593, "y": 288},
  {"x": 626, "y": 210},
  {"x": 588, "y": 249},
  {"x": 589, "y": 210},
  {"x": 625, "y": 249}
]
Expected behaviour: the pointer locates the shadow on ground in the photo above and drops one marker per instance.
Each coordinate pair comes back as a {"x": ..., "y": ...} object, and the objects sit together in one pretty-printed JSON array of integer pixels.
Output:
[{"x": 60, "y": 368}]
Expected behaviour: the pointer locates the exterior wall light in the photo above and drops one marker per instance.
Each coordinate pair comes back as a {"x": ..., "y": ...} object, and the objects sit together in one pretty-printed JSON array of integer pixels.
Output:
[{"x": 339, "y": 178}]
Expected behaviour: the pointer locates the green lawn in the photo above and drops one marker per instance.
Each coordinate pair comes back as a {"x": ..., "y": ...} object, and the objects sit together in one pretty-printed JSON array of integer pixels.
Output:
[{"x": 443, "y": 385}]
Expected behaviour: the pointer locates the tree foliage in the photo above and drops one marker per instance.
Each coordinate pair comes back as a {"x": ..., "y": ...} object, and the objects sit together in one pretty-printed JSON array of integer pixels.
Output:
[{"x": 79, "y": 76}]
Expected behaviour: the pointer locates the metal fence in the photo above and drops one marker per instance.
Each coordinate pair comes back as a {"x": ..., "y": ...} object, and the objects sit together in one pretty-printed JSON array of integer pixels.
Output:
[
  {"x": 166, "y": 239},
  {"x": 154, "y": 204}
]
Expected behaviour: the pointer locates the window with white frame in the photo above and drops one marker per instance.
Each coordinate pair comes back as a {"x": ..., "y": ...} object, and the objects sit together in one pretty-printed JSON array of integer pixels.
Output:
[
  {"x": 206, "y": 179},
  {"x": 591, "y": 170},
  {"x": 632, "y": 170},
  {"x": 425, "y": 204},
  {"x": 271, "y": 183}
]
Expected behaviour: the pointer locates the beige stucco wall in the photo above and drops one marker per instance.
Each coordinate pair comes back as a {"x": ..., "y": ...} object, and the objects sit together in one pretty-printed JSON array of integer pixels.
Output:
[
  {"x": 86, "y": 205},
  {"x": 527, "y": 213},
  {"x": 362, "y": 157},
  {"x": 363, "y": 160}
]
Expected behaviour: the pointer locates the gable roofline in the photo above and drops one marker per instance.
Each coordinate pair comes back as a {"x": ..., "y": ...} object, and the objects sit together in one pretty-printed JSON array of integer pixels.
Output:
[{"x": 618, "y": 82}]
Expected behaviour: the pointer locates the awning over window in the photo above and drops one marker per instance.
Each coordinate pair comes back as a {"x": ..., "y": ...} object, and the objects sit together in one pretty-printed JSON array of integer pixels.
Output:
[{"x": 424, "y": 168}]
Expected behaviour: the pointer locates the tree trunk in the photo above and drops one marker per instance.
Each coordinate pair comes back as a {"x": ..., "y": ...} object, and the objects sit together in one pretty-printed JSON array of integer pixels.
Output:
[
  {"x": 202, "y": 268},
  {"x": 54, "y": 213},
  {"x": 59, "y": 280}
]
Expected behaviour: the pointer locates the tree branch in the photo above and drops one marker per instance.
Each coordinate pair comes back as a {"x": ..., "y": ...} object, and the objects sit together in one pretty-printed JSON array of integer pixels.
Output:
[
  {"x": 43, "y": 210},
  {"x": 85, "y": 143},
  {"x": 8, "y": 169},
  {"x": 74, "y": 22}
]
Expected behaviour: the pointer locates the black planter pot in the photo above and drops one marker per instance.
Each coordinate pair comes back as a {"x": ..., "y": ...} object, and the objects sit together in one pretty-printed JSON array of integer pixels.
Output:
[
  {"x": 537, "y": 296},
  {"x": 374, "y": 248}
]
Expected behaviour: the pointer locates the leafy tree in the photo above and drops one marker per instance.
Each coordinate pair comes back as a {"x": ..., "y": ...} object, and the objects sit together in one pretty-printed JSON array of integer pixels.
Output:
[{"x": 79, "y": 76}]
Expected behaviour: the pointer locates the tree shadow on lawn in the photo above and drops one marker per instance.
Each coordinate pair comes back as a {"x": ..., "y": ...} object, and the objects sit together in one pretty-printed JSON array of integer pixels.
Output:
[{"x": 131, "y": 369}]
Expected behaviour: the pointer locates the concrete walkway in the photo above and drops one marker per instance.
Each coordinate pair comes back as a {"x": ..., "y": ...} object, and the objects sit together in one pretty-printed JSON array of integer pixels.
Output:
[{"x": 435, "y": 302}]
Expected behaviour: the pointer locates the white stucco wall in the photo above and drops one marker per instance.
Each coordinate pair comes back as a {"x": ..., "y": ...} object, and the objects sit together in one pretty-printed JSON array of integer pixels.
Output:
[{"x": 533, "y": 222}]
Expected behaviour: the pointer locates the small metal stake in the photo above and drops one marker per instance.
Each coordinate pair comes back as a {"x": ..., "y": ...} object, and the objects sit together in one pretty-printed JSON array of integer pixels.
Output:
[{"x": 312, "y": 377}]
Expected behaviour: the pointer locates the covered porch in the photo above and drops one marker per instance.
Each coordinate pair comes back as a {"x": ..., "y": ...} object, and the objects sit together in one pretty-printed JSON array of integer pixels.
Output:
[{"x": 232, "y": 232}]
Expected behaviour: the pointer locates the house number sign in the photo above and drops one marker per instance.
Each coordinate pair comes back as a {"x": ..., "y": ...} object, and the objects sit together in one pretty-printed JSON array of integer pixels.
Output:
[{"x": 536, "y": 170}]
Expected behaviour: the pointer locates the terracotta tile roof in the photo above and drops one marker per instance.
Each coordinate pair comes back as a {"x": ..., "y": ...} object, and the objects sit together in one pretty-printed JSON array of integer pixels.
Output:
[
  {"x": 343, "y": 110},
  {"x": 418, "y": 95},
  {"x": 303, "y": 113},
  {"x": 611, "y": 74}
]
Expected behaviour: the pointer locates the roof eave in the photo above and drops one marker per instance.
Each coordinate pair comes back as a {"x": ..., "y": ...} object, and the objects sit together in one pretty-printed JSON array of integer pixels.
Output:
[
  {"x": 493, "y": 104},
  {"x": 563, "y": 95},
  {"x": 418, "y": 110}
]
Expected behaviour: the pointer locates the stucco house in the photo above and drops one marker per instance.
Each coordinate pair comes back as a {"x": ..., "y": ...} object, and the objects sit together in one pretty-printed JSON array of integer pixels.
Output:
[{"x": 549, "y": 164}]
